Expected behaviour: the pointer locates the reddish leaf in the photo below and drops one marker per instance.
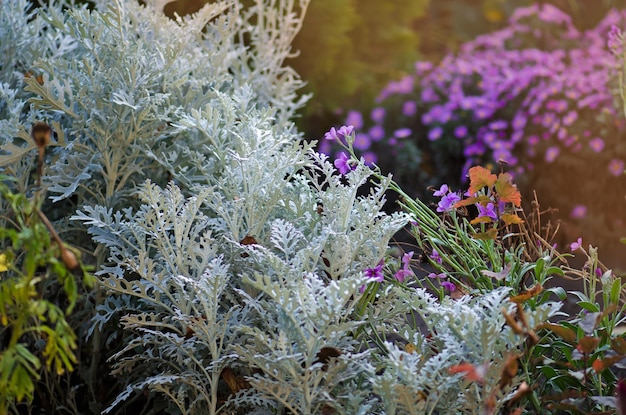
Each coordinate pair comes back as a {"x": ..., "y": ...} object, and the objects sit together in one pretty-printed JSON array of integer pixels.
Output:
[
  {"x": 510, "y": 369},
  {"x": 507, "y": 191},
  {"x": 588, "y": 344},
  {"x": 600, "y": 364},
  {"x": 565, "y": 333},
  {"x": 618, "y": 344},
  {"x": 511, "y": 219},
  {"x": 479, "y": 178}
]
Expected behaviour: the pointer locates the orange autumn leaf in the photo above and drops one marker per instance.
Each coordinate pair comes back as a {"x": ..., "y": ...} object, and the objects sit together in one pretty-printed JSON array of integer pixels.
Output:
[
  {"x": 600, "y": 364},
  {"x": 507, "y": 191},
  {"x": 597, "y": 365},
  {"x": 479, "y": 178},
  {"x": 511, "y": 219},
  {"x": 482, "y": 199},
  {"x": 481, "y": 219},
  {"x": 523, "y": 297},
  {"x": 472, "y": 373}
]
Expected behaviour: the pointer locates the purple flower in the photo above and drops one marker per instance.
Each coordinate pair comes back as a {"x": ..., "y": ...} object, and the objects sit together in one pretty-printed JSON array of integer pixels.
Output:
[
  {"x": 436, "y": 276},
  {"x": 342, "y": 163},
  {"x": 375, "y": 274},
  {"x": 448, "y": 286},
  {"x": 435, "y": 257},
  {"x": 551, "y": 154},
  {"x": 369, "y": 158},
  {"x": 378, "y": 114},
  {"x": 487, "y": 211},
  {"x": 597, "y": 144},
  {"x": 578, "y": 212},
  {"x": 354, "y": 118},
  {"x": 377, "y": 133},
  {"x": 447, "y": 202},
  {"x": 406, "y": 271},
  {"x": 519, "y": 121},
  {"x": 362, "y": 141},
  {"x": 575, "y": 245},
  {"x": 615, "y": 40},
  {"x": 331, "y": 134},
  {"x": 345, "y": 130},
  {"x": 460, "y": 131},
  {"x": 402, "y": 132},
  {"x": 498, "y": 125},
  {"x": 616, "y": 167},
  {"x": 443, "y": 190},
  {"x": 435, "y": 133},
  {"x": 569, "y": 118},
  {"x": 409, "y": 108}
]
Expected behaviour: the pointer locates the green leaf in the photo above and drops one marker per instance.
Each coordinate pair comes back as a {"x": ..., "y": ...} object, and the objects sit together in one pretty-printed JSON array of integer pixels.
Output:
[
  {"x": 559, "y": 292},
  {"x": 589, "y": 306},
  {"x": 616, "y": 290}
]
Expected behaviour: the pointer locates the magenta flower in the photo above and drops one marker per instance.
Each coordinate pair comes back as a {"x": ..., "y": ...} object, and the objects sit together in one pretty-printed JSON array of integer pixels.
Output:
[
  {"x": 551, "y": 154},
  {"x": 406, "y": 271},
  {"x": 448, "y": 286},
  {"x": 342, "y": 163},
  {"x": 569, "y": 118},
  {"x": 435, "y": 256},
  {"x": 615, "y": 40},
  {"x": 578, "y": 212},
  {"x": 616, "y": 167},
  {"x": 345, "y": 130},
  {"x": 447, "y": 202},
  {"x": 597, "y": 144},
  {"x": 575, "y": 245},
  {"x": 375, "y": 274},
  {"x": 436, "y": 276}
]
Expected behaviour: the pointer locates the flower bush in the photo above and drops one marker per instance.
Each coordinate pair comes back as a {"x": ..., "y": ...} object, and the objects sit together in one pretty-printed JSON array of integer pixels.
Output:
[
  {"x": 573, "y": 365},
  {"x": 539, "y": 95}
]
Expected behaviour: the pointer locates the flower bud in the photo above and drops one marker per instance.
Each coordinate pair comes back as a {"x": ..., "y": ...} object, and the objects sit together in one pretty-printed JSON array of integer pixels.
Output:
[
  {"x": 41, "y": 134},
  {"x": 69, "y": 260}
]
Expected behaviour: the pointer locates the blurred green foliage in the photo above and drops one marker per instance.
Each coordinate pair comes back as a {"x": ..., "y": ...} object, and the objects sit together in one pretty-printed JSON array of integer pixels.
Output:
[
  {"x": 349, "y": 49},
  {"x": 449, "y": 23}
]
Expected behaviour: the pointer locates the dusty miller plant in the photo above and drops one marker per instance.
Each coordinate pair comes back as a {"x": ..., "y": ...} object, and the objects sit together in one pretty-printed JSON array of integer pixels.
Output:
[{"x": 201, "y": 300}]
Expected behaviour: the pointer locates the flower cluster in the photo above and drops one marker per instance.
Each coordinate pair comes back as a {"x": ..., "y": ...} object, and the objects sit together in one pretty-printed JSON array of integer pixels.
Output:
[{"x": 528, "y": 95}]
